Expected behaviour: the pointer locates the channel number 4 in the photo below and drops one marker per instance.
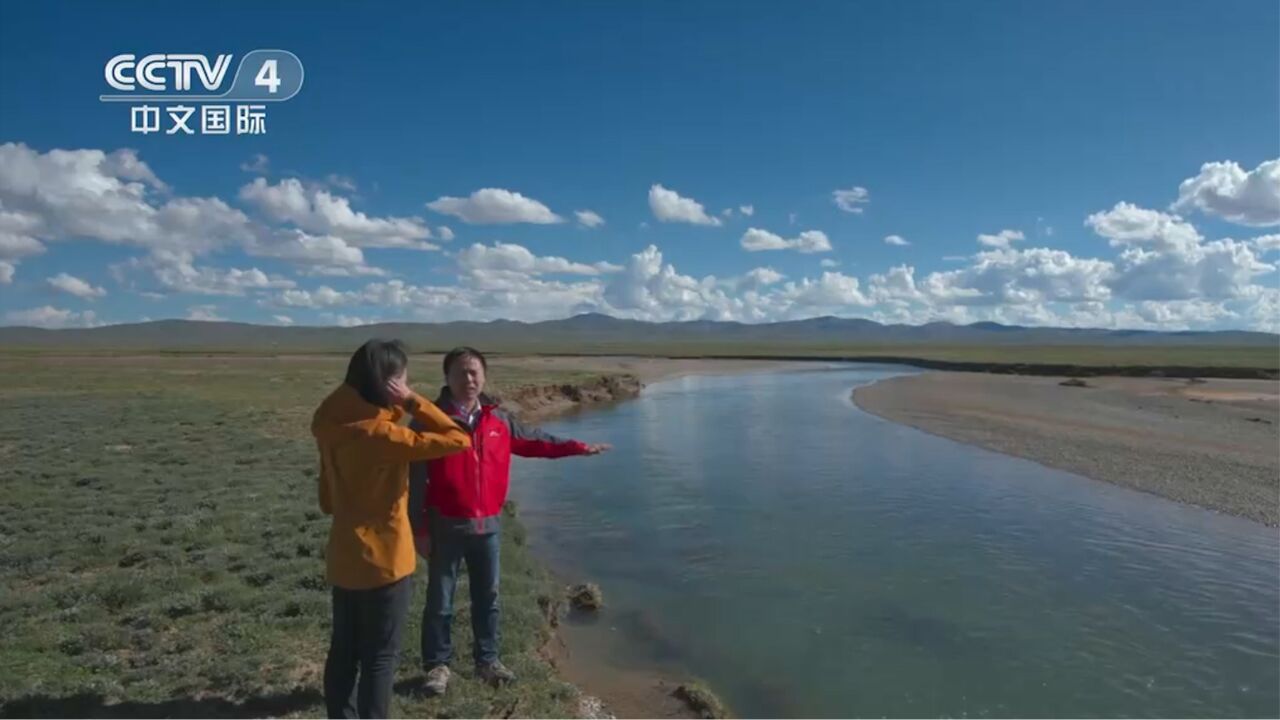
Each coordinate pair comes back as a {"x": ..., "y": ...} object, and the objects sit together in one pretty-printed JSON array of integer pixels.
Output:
[{"x": 268, "y": 77}]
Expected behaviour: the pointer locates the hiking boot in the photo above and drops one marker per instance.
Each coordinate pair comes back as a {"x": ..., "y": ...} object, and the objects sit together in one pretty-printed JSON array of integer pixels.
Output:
[
  {"x": 437, "y": 680},
  {"x": 495, "y": 673}
]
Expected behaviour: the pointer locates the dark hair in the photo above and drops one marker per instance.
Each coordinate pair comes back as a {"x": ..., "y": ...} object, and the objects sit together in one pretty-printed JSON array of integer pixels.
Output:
[
  {"x": 372, "y": 366},
  {"x": 462, "y": 353}
]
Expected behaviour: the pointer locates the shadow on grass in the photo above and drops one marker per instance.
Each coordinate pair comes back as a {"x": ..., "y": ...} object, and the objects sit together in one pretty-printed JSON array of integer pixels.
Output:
[{"x": 93, "y": 705}]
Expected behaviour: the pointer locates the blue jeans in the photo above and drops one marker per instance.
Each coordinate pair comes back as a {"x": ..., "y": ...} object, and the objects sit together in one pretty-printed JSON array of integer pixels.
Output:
[{"x": 448, "y": 550}]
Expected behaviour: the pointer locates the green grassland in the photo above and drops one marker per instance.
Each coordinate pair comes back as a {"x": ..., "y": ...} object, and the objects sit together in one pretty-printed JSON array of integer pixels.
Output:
[{"x": 161, "y": 549}]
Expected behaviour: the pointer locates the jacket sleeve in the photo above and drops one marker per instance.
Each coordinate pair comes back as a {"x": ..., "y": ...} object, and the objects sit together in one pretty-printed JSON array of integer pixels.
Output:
[
  {"x": 440, "y": 436},
  {"x": 527, "y": 441},
  {"x": 322, "y": 483}
]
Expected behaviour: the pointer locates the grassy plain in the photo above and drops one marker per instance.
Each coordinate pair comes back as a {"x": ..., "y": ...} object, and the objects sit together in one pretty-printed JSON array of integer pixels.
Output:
[{"x": 161, "y": 550}]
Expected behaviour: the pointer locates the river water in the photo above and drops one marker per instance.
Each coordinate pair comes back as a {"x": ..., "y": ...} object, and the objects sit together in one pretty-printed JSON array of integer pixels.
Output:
[{"x": 807, "y": 558}]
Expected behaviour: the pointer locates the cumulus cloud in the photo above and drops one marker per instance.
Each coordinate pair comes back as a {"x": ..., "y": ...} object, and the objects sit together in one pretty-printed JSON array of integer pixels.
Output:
[
  {"x": 318, "y": 211},
  {"x": 507, "y": 257},
  {"x": 669, "y": 206},
  {"x": 1225, "y": 190},
  {"x": 895, "y": 240},
  {"x": 445, "y": 233},
  {"x": 1002, "y": 239},
  {"x": 808, "y": 242},
  {"x": 589, "y": 219},
  {"x": 71, "y": 285},
  {"x": 1267, "y": 243},
  {"x": 51, "y": 317},
  {"x": 1017, "y": 277},
  {"x": 1164, "y": 258},
  {"x": 851, "y": 200},
  {"x": 282, "y": 319},
  {"x": 495, "y": 206},
  {"x": 1127, "y": 224},
  {"x": 110, "y": 197},
  {"x": 176, "y": 272},
  {"x": 758, "y": 279},
  {"x": 747, "y": 210}
]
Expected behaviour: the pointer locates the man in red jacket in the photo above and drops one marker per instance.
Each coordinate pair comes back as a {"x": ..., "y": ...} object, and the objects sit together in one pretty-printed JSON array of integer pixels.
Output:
[{"x": 456, "y": 518}]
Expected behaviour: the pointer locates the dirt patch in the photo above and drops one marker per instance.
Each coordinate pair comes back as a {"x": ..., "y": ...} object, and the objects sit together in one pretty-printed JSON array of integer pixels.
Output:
[{"x": 1162, "y": 436}]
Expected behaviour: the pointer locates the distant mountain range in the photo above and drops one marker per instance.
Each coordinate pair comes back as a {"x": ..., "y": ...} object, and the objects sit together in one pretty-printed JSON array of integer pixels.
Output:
[{"x": 595, "y": 333}]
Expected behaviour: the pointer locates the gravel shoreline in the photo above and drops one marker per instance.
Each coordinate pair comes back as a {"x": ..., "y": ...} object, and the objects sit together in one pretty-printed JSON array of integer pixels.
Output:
[{"x": 1214, "y": 444}]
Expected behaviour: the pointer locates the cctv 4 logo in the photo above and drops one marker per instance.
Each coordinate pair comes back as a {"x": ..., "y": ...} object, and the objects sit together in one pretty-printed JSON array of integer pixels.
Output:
[{"x": 126, "y": 73}]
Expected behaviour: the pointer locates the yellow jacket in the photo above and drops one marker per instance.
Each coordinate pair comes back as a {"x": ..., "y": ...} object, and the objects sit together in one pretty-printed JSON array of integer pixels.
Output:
[{"x": 364, "y": 483}]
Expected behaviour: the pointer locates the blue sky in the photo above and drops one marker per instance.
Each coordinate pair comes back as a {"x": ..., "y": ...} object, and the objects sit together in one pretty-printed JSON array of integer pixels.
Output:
[{"x": 1119, "y": 158}]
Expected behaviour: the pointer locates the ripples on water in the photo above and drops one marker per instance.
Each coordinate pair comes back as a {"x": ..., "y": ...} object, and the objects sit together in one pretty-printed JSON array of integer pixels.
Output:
[{"x": 809, "y": 559}]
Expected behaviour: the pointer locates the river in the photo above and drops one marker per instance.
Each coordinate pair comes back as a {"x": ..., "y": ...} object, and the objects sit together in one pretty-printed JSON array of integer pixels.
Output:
[{"x": 808, "y": 559}]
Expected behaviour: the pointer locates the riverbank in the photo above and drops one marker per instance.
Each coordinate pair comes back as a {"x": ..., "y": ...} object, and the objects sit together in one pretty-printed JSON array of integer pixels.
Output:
[{"x": 1210, "y": 443}]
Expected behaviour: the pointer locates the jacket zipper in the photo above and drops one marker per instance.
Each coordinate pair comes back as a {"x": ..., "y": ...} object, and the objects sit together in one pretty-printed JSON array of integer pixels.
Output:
[{"x": 477, "y": 446}]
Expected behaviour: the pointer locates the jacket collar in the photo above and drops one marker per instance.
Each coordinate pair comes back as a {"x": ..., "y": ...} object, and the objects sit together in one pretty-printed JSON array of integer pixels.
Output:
[{"x": 445, "y": 402}]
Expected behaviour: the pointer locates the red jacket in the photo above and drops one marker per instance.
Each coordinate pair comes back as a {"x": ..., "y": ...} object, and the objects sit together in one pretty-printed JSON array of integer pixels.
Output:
[{"x": 471, "y": 486}]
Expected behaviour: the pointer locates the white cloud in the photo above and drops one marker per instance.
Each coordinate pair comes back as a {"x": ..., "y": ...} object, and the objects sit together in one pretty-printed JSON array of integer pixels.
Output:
[
  {"x": 282, "y": 319},
  {"x": 1164, "y": 258},
  {"x": 258, "y": 164},
  {"x": 851, "y": 200},
  {"x": 1181, "y": 313},
  {"x": 1002, "y": 239},
  {"x": 669, "y": 206},
  {"x": 1220, "y": 269},
  {"x": 747, "y": 210},
  {"x": 727, "y": 212},
  {"x": 342, "y": 182},
  {"x": 90, "y": 194},
  {"x": 895, "y": 240},
  {"x": 445, "y": 233},
  {"x": 833, "y": 292},
  {"x": 1224, "y": 189},
  {"x": 1128, "y": 224},
  {"x": 51, "y": 317},
  {"x": 808, "y": 242},
  {"x": 1267, "y": 243},
  {"x": 347, "y": 320},
  {"x": 177, "y": 273},
  {"x": 16, "y": 241},
  {"x": 587, "y": 218},
  {"x": 318, "y": 211},
  {"x": 759, "y": 278},
  {"x": 495, "y": 206},
  {"x": 1004, "y": 276},
  {"x": 323, "y": 296},
  {"x": 317, "y": 254},
  {"x": 829, "y": 263},
  {"x": 72, "y": 285},
  {"x": 507, "y": 257},
  {"x": 204, "y": 313}
]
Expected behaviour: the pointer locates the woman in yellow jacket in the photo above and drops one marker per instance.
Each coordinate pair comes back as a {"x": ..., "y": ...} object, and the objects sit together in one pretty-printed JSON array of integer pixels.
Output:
[{"x": 364, "y": 484}]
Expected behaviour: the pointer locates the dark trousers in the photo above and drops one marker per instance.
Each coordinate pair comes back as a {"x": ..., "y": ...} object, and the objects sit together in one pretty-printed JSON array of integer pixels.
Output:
[
  {"x": 448, "y": 550},
  {"x": 367, "y": 625}
]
